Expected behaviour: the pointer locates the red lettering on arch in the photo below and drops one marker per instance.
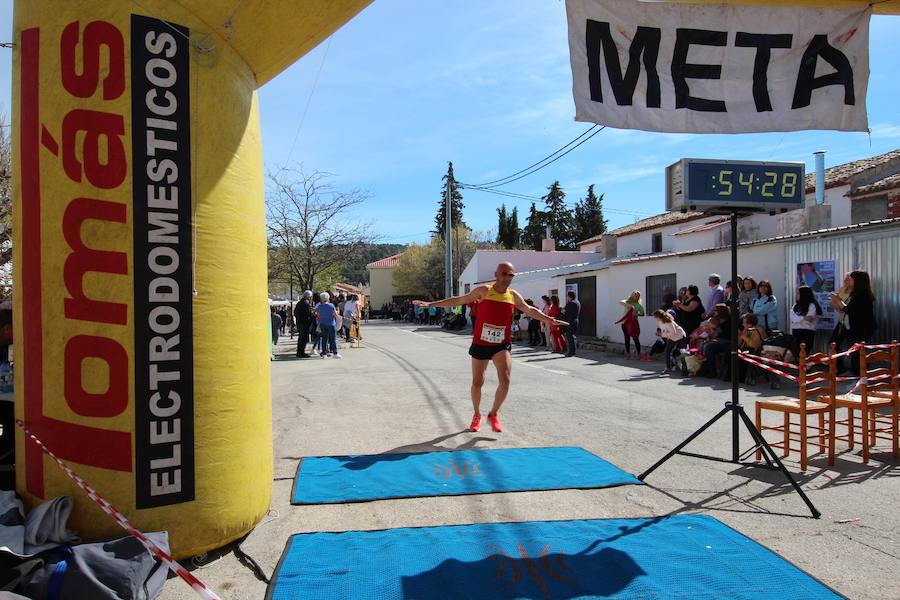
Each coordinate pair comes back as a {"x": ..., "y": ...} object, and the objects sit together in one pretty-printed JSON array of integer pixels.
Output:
[
  {"x": 114, "y": 400},
  {"x": 84, "y": 260}
]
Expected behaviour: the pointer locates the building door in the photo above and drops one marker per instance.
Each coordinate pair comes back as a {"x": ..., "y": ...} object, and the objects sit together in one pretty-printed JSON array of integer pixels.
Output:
[{"x": 587, "y": 296}]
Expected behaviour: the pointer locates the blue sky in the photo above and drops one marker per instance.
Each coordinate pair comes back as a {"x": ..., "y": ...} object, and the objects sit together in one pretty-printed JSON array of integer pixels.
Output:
[{"x": 408, "y": 85}]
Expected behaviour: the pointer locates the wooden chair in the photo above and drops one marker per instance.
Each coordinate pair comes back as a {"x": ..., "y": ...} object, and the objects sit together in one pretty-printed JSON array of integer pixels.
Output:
[
  {"x": 873, "y": 400},
  {"x": 816, "y": 391}
]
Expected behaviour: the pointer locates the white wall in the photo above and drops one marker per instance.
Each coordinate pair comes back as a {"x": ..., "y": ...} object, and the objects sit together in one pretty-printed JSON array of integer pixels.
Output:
[
  {"x": 483, "y": 265},
  {"x": 765, "y": 261}
]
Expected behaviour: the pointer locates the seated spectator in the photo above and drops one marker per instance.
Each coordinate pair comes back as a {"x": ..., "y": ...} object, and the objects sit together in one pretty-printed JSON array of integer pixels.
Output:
[
  {"x": 765, "y": 307},
  {"x": 750, "y": 340}
]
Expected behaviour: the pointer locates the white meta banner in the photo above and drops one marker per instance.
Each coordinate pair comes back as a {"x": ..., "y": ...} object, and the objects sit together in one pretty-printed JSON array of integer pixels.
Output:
[{"x": 718, "y": 68}]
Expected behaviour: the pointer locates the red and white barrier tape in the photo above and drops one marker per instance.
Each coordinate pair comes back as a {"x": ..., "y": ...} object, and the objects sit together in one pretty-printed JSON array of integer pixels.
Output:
[
  {"x": 765, "y": 359},
  {"x": 198, "y": 586},
  {"x": 767, "y": 368}
]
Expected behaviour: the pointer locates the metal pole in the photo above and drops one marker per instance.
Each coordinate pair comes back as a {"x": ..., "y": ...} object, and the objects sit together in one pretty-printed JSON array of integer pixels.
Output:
[
  {"x": 290, "y": 315},
  {"x": 735, "y": 380},
  {"x": 448, "y": 242}
]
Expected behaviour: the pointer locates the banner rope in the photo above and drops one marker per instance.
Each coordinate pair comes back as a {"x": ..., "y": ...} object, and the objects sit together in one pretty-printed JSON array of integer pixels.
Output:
[{"x": 198, "y": 586}]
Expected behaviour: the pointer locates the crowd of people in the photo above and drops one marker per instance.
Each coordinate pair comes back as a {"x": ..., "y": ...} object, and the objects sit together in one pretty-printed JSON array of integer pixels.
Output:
[
  {"x": 319, "y": 319},
  {"x": 697, "y": 335},
  {"x": 694, "y": 330}
]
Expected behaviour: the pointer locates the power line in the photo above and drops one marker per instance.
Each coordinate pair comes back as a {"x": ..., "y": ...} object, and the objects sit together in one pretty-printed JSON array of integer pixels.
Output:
[
  {"x": 308, "y": 100},
  {"x": 546, "y": 161},
  {"x": 517, "y": 195}
]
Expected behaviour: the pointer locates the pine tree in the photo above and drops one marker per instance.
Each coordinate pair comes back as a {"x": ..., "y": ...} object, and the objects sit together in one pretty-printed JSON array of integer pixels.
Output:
[
  {"x": 562, "y": 224},
  {"x": 534, "y": 229},
  {"x": 589, "y": 221},
  {"x": 502, "y": 224},
  {"x": 515, "y": 234},
  {"x": 456, "y": 204}
]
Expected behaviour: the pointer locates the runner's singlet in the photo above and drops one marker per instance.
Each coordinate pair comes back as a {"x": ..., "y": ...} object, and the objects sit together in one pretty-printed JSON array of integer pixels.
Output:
[{"x": 493, "y": 319}]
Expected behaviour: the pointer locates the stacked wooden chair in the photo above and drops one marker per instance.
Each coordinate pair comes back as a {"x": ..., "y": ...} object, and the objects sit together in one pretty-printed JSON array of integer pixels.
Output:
[
  {"x": 817, "y": 390},
  {"x": 872, "y": 412}
]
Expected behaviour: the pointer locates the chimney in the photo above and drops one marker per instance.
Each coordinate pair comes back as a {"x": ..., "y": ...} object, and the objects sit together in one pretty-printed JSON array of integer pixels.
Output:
[
  {"x": 818, "y": 216},
  {"x": 820, "y": 176},
  {"x": 548, "y": 244}
]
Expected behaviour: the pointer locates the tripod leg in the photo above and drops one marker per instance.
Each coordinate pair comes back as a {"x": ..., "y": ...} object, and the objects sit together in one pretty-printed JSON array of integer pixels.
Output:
[
  {"x": 758, "y": 438},
  {"x": 689, "y": 439}
]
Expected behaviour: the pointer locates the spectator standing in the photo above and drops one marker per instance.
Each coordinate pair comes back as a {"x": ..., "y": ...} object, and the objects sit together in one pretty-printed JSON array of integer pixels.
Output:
[
  {"x": 534, "y": 328},
  {"x": 715, "y": 295},
  {"x": 327, "y": 319},
  {"x": 804, "y": 314},
  {"x": 766, "y": 306},
  {"x": 631, "y": 328},
  {"x": 546, "y": 338},
  {"x": 570, "y": 315},
  {"x": 559, "y": 341},
  {"x": 747, "y": 295},
  {"x": 304, "y": 318},
  {"x": 689, "y": 312},
  {"x": 351, "y": 315},
  {"x": 859, "y": 311},
  {"x": 276, "y": 328}
]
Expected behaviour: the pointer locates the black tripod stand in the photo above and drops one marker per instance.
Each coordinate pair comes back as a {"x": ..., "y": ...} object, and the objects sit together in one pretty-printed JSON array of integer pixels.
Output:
[{"x": 734, "y": 407}]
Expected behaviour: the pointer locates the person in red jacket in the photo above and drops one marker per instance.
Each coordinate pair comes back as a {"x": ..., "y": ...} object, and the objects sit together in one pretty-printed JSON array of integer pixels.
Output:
[{"x": 491, "y": 340}]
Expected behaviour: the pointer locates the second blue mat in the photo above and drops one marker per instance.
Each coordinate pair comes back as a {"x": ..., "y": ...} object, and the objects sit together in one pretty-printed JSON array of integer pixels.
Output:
[
  {"x": 681, "y": 557},
  {"x": 338, "y": 479}
]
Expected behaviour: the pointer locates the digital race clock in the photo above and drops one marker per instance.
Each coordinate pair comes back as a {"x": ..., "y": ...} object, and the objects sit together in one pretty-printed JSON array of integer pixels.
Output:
[{"x": 727, "y": 185}]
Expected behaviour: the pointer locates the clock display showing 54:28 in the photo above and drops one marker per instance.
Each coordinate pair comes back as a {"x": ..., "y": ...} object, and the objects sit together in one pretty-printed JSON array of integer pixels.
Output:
[{"x": 767, "y": 184}]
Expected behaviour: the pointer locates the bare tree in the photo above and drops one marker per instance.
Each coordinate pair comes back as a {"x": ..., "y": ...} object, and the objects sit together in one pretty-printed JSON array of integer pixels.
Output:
[
  {"x": 310, "y": 228},
  {"x": 5, "y": 209}
]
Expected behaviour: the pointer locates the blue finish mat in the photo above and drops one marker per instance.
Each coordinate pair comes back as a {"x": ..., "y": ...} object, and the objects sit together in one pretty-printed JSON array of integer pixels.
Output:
[
  {"x": 685, "y": 557},
  {"x": 333, "y": 479}
]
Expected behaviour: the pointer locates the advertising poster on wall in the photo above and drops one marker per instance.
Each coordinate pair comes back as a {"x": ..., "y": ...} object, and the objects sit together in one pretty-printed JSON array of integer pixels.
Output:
[
  {"x": 820, "y": 277},
  {"x": 570, "y": 287}
]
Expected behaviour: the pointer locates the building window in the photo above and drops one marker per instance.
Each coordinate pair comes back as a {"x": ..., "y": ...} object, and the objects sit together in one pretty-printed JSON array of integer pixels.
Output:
[
  {"x": 656, "y": 284},
  {"x": 863, "y": 210},
  {"x": 657, "y": 242}
]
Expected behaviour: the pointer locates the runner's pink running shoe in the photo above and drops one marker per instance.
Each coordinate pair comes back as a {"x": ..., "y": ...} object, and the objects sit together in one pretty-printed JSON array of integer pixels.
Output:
[
  {"x": 495, "y": 423},
  {"x": 476, "y": 422}
]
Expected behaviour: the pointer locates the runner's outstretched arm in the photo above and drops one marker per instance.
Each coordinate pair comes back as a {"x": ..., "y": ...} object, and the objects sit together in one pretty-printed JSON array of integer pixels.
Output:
[
  {"x": 475, "y": 295},
  {"x": 534, "y": 313}
]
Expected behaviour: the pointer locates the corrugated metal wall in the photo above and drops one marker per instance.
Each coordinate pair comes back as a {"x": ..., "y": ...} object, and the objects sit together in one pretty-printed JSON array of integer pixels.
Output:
[
  {"x": 877, "y": 253},
  {"x": 880, "y": 256}
]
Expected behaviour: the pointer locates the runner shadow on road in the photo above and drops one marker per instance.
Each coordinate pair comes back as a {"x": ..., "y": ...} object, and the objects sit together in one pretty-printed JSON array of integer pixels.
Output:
[{"x": 362, "y": 462}]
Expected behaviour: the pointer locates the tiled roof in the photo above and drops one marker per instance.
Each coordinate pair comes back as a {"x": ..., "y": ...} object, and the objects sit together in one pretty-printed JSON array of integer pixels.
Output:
[
  {"x": 385, "y": 263},
  {"x": 842, "y": 173},
  {"x": 888, "y": 183},
  {"x": 718, "y": 222},
  {"x": 670, "y": 218}
]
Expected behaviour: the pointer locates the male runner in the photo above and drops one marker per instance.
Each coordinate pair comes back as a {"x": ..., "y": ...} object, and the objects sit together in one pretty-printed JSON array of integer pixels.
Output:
[{"x": 491, "y": 339}]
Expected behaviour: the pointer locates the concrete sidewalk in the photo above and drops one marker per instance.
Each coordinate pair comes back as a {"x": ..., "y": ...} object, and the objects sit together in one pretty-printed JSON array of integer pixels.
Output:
[{"x": 407, "y": 390}]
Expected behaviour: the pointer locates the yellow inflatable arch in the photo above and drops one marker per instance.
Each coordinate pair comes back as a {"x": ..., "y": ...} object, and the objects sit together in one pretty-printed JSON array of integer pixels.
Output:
[
  {"x": 140, "y": 265},
  {"x": 141, "y": 313}
]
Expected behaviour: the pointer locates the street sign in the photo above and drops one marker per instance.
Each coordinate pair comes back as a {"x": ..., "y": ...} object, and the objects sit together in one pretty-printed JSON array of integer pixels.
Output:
[{"x": 734, "y": 185}]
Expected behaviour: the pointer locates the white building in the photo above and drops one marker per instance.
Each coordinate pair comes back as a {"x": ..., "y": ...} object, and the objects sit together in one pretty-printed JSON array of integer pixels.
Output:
[
  {"x": 483, "y": 265},
  {"x": 858, "y": 227}
]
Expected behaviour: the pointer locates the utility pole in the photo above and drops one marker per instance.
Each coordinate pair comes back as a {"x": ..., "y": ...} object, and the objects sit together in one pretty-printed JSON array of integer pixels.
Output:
[{"x": 448, "y": 242}]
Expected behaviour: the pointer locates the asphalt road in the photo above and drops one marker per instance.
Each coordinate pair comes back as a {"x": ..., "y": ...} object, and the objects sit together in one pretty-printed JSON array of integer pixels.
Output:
[{"x": 407, "y": 391}]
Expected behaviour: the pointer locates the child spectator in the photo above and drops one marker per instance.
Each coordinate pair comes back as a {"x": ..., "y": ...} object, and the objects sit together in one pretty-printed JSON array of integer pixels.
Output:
[{"x": 672, "y": 333}]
